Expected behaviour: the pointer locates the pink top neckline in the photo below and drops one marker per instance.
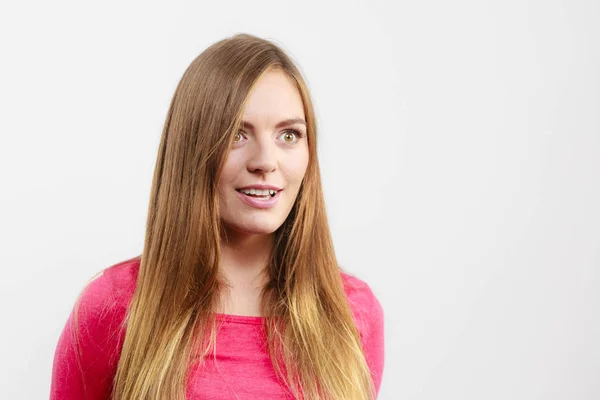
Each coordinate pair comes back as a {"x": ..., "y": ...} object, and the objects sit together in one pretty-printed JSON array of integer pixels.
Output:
[{"x": 240, "y": 319}]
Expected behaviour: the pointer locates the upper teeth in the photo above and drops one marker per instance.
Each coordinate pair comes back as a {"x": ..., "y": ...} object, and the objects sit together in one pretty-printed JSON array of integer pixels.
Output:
[{"x": 259, "y": 192}]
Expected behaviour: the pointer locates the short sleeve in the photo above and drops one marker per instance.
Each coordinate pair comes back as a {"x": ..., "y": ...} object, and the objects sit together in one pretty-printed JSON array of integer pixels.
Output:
[{"x": 85, "y": 361}]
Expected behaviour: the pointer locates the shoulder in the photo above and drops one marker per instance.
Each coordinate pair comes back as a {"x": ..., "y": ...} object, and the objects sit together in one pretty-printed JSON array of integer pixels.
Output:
[
  {"x": 89, "y": 345},
  {"x": 364, "y": 303},
  {"x": 102, "y": 303},
  {"x": 116, "y": 282},
  {"x": 109, "y": 291}
]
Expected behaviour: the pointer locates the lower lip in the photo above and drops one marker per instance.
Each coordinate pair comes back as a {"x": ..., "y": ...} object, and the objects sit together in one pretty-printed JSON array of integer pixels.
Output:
[{"x": 259, "y": 203}]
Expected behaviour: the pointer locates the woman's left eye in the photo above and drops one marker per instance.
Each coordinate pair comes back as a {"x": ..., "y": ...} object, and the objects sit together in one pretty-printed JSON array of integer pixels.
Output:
[{"x": 291, "y": 136}]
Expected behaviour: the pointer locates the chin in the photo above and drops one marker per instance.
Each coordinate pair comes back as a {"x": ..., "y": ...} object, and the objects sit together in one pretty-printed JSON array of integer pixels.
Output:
[{"x": 256, "y": 228}]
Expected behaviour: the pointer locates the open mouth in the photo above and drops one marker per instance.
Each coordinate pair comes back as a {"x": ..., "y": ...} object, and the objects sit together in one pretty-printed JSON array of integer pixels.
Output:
[
  {"x": 259, "y": 194},
  {"x": 260, "y": 198}
]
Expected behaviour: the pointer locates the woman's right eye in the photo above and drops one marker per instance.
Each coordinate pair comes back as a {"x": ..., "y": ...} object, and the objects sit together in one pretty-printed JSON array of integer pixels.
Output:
[{"x": 237, "y": 137}]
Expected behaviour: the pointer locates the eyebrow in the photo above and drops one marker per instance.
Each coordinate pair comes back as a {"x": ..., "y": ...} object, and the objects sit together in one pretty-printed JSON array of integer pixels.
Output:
[{"x": 285, "y": 122}]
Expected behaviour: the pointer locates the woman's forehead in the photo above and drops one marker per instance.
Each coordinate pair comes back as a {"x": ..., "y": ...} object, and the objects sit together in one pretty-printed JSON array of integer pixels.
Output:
[{"x": 274, "y": 98}]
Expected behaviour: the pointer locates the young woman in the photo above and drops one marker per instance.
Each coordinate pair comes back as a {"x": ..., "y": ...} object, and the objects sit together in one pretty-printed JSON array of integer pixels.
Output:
[{"x": 237, "y": 293}]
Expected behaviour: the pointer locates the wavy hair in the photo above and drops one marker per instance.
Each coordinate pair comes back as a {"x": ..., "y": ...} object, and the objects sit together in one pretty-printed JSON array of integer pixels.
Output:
[{"x": 313, "y": 342}]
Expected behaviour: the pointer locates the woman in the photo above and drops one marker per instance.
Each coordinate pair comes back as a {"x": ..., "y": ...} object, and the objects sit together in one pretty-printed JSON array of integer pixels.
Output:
[{"x": 237, "y": 293}]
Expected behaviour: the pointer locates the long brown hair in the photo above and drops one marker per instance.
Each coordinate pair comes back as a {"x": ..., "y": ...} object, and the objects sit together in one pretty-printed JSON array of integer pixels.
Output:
[{"x": 312, "y": 339}]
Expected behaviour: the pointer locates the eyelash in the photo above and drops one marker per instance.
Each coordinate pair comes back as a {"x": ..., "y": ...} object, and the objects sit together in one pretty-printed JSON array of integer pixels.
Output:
[{"x": 296, "y": 132}]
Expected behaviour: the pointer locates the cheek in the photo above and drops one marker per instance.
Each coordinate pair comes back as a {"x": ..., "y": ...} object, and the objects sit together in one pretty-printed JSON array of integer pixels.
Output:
[
  {"x": 231, "y": 169},
  {"x": 299, "y": 165},
  {"x": 296, "y": 164}
]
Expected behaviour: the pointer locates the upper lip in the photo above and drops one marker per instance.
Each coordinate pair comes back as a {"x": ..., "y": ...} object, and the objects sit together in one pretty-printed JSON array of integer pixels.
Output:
[{"x": 261, "y": 187}]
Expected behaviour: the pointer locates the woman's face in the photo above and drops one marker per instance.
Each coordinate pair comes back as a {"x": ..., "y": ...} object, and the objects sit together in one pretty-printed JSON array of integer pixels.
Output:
[{"x": 270, "y": 153}]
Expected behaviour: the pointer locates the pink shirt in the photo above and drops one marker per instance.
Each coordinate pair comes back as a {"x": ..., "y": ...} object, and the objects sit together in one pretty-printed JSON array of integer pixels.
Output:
[{"x": 242, "y": 370}]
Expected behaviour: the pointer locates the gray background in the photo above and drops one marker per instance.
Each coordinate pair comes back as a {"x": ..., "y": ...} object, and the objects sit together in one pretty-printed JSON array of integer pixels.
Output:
[{"x": 460, "y": 146}]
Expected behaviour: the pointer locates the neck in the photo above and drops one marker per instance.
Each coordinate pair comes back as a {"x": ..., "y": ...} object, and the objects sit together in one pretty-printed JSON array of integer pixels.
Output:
[{"x": 244, "y": 258}]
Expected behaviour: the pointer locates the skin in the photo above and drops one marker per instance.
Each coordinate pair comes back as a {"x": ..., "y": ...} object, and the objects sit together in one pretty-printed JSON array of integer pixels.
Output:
[{"x": 261, "y": 154}]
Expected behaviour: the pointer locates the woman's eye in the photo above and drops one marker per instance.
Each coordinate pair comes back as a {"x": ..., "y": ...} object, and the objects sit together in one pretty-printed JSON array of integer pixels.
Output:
[
  {"x": 237, "y": 137},
  {"x": 290, "y": 136}
]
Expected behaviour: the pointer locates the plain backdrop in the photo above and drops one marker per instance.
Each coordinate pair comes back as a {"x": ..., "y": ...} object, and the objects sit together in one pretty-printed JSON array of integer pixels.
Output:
[{"x": 459, "y": 144}]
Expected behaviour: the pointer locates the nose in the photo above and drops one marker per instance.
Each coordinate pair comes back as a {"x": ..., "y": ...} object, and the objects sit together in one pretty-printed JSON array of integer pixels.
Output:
[{"x": 263, "y": 158}]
